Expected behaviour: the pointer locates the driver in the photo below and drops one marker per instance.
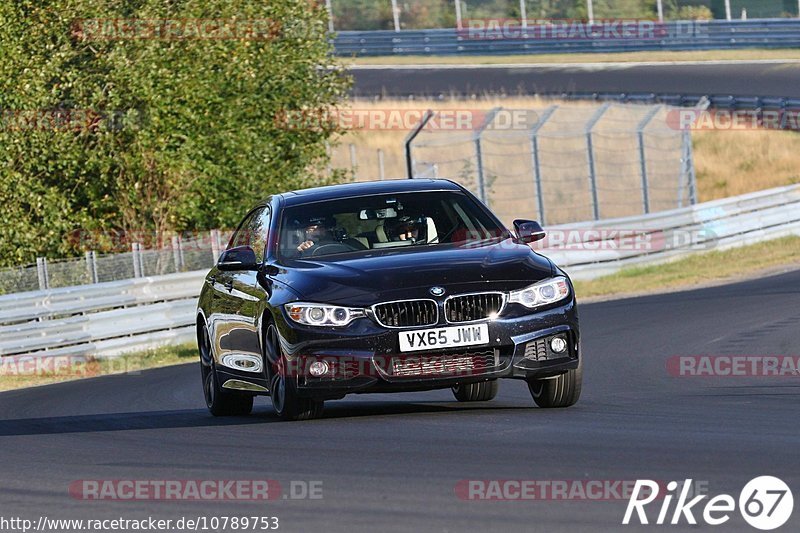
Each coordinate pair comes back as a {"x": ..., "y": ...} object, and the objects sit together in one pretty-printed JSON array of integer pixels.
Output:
[{"x": 316, "y": 232}]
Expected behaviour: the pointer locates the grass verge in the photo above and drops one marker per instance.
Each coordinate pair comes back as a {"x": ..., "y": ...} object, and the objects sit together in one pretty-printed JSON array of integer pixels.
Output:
[
  {"x": 619, "y": 57},
  {"x": 16, "y": 372},
  {"x": 701, "y": 269}
]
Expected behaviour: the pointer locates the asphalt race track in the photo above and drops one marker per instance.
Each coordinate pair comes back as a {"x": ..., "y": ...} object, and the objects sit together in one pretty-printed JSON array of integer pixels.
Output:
[
  {"x": 392, "y": 462},
  {"x": 770, "y": 79}
]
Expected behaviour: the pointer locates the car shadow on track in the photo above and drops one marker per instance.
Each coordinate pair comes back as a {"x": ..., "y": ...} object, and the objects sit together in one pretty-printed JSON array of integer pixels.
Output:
[{"x": 201, "y": 418}]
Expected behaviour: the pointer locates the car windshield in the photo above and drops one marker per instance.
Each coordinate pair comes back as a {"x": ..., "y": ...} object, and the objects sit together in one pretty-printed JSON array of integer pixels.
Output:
[{"x": 363, "y": 224}]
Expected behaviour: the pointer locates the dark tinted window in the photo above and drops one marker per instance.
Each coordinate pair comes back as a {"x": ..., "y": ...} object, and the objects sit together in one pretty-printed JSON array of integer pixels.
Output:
[{"x": 362, "y": 224}]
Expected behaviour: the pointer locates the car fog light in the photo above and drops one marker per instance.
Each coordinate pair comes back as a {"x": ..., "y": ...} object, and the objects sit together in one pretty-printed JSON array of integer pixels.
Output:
[
  {"x": 318, "y": 368},
  {"x": 558, "y": 344}
]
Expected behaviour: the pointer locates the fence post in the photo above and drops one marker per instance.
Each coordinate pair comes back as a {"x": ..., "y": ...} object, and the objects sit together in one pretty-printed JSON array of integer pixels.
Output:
[
  {"x": 91, "y": 266},
  {"x": 353, "y": 161},
  {"x": 330, "y": 15},
  {"x": 642, "y": 157},
  {"x": 396, "y": 15},
  {"x": 137, "y": 266},
  {"x": 41, "y": 271},
  {"x": 329, "y": 155},
  {"x": 537, "y": 172},
  {"x": 410, "y": 138},
  {"x": 590, "y": 154},
  {"x": 215, "y": 245},
  {"x": 177, "y": 252},
  {"x": 381, "y": 168},
  {"x": 687, "y": 172},
  {"x": 482, "y": 192}
]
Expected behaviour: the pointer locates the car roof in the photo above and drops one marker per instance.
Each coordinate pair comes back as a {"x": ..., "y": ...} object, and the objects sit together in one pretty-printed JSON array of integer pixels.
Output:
[{"x": 366, "y": 188}]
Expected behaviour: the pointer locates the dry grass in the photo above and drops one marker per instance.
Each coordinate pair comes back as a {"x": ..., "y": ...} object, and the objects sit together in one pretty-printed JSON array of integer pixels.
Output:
[
  {"x": 16, "y": 375},
  {"x": 729, "y": 163},
  {"x": 702, "y": 268},
  {"x": 624, "y": 57}
]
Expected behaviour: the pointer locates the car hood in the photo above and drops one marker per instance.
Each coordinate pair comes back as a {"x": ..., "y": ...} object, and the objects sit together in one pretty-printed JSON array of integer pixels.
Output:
[{"x": 409, "y": 273}]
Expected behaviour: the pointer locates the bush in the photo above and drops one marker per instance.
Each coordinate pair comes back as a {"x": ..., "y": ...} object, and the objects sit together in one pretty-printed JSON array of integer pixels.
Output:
[{"x": 99, "y": 133}]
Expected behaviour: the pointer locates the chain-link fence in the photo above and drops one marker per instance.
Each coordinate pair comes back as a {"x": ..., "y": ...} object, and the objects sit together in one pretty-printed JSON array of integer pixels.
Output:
[
  {"x": 558, "y": 163},
  {"x": 176, "y": 255},
  {"x": 566, "y": 164},
  {"x": 398, "y": 15}
]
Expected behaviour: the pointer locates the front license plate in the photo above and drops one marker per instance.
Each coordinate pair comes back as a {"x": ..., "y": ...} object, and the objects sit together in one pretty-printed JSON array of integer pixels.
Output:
[{"x": 450, "y": 337}]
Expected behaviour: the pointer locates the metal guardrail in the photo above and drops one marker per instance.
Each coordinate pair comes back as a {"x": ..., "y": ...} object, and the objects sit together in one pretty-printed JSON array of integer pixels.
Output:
[
  {"x": 103, "y": 319},
  {"x": 682, "y": 35},
  {"x": 669, "y": 235},
  {"x": 109, "y": 319}
]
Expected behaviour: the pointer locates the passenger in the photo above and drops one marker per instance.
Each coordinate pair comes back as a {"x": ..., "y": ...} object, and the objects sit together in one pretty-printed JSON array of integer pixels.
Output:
[{"x": 404, "y": 228}]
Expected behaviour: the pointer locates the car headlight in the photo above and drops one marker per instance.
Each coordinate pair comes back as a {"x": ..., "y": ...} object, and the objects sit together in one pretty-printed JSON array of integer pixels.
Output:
[
  {"x": 322, "y": 315},
  {"x": 541, "y": 293}
]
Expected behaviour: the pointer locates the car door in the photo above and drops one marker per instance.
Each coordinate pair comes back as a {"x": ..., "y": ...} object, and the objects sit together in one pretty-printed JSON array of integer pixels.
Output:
[{"x": 238, "y": 296}]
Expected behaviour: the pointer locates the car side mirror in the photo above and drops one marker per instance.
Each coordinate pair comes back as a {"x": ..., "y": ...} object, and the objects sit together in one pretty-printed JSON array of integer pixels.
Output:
[
  {"x": 528, "y": 231},
  {"x": 239, "y": 258}
]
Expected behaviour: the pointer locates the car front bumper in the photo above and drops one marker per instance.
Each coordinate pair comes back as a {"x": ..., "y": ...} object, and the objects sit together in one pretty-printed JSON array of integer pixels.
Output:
[{"x": 365, "y": 357}]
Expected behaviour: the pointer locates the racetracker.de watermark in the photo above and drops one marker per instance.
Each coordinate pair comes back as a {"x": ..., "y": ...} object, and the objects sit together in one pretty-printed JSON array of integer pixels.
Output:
[
  {"x": 556, "y": 489},
  {"x": 74, "y": 366},
  {"x": 249, "y": 490},
  {"x": 482, "y": 29},
  {"x": 69, "y": 120},
  {"x": 733, "y": 366},
  {"x": 733, "y": 119},
  {"x": 404, "y": 119},
  {"x": 176, "y": 29}
]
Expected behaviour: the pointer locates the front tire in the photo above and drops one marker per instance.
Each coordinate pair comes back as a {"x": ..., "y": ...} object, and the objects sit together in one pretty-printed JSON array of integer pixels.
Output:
[
  {"x": 561, "y": 391},
  {"x": 219, "y": 401},
  {"x": 283, "y": 388},
  {"x": 476, "y": 392}
]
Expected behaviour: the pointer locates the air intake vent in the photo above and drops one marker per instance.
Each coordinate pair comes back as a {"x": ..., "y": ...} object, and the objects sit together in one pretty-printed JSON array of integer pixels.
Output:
[
  {"x": 407, "y": 313},
  {"x": 471, "y": 307}
]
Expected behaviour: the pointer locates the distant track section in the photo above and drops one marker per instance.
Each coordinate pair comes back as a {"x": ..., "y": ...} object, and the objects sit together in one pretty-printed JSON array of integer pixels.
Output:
[{"x": 762, "y": 78}]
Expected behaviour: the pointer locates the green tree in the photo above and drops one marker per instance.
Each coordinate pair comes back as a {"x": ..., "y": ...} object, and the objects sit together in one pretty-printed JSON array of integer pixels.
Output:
[{"x": 102, "y": 131}]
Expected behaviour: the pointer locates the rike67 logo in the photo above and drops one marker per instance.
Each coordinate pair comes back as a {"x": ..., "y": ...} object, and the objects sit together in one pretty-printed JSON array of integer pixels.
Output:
[{"x": 765, "y": 503}]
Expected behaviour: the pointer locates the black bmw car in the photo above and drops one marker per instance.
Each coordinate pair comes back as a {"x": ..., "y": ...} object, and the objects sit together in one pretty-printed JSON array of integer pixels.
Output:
[{"x": 402, "y": 285}]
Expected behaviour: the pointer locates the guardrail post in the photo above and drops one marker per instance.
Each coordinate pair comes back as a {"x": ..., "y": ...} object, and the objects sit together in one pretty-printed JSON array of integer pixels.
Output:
[
  {"x": 590, "y": 156},
  {"x": 482, "y": 192},
  {"x": 642, "y": 156},
  {"x": 91, "y": 266},
  {"x": 41, "y": 271},
  {"x": 137, "y": 265},
  {"x": 537, "y": 172},
  {"x": 381, "y": 168}
]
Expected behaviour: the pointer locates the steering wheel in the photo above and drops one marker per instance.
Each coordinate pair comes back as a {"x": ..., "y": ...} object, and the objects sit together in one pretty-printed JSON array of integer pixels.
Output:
[{"x": 333, "y": 248}]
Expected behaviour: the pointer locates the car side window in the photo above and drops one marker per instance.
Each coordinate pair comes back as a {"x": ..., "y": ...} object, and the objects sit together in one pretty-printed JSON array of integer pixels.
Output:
[
  {"x": 250, "y": 232},
  {"x": 259, "y": 233}
]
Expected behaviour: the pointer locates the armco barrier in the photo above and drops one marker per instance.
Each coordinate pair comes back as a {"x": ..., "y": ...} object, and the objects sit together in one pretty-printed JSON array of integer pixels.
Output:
[
  {"x": 682, "y": 35},
  {"x": 109, "y": 319}
]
